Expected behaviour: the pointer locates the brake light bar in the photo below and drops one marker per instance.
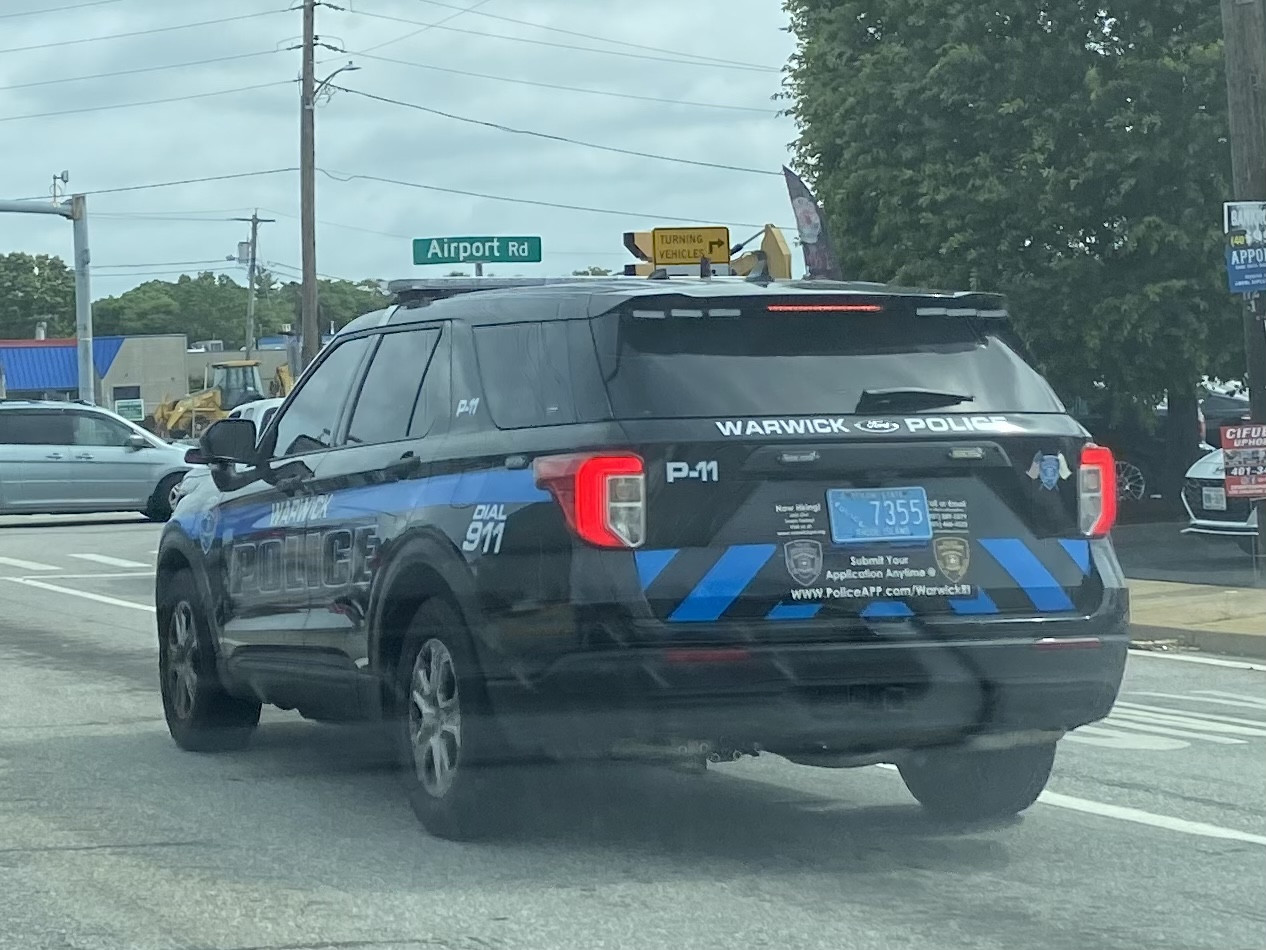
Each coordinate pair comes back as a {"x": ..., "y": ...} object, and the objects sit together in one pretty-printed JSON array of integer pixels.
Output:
[
  {"x": 1096, "y": 491},
  {"x": 824, "y": 308},
  {"x": 603, "y": 495}
]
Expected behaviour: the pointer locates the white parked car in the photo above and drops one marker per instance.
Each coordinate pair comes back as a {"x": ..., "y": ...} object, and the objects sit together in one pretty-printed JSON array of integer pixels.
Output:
[
  {"x": 259, "y": 412},
  {"x": 1209, "y": 510}
]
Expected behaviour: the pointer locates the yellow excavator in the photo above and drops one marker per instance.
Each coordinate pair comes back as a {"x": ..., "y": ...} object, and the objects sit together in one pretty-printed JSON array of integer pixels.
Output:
[{"x": 227, "y": 385}]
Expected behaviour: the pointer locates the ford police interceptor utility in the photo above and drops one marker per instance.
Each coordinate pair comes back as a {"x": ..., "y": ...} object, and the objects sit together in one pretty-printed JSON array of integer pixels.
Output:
[{"x": 684, "y": 520}]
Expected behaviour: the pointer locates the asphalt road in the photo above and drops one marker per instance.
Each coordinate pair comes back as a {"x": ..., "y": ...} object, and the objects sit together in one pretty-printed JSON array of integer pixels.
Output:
[
  {"x": 1152, "y": 834},
  {"x": 1159, "y": 551}
]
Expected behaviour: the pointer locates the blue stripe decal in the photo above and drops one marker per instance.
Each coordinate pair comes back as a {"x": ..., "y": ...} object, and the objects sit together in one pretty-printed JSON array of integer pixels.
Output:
[
  {"x": 980, "y": 604},
  {"x": 650, "y": 563},
  {"x": 890, "y": 609},
  {"x": 1079, "y": 550},
  {"x": 793, "y": 612},
  {"x": 713, "y": 595},
  {"x": 1027, "y": 571}
]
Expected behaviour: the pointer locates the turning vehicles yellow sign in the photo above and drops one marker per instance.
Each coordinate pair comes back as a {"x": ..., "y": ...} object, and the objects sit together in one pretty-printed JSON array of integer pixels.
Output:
[{"x": 683, "y": 246}]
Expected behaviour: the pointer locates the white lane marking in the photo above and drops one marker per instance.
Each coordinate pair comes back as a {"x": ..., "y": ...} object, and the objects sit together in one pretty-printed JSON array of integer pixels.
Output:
[
  {"x": 1243, "y": 727},
  {"x": 1112, "y": 739},
  {"x": 86, "y": 595},
  {"x": 1187, "y": 697},
  {"x": 1139, "y": 817},
  {"x": 1204, "y": 660},
  {"x": 109, "y": 575},
  {"x": 109, "y": 561},
  {"x": 1251, "y": 700},
  {"x": 26, "y": 565}
]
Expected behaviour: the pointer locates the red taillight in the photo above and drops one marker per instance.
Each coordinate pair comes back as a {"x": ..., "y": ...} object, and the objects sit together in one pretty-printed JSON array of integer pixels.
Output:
[
  {"x": 1096, "y": 491},
  {"x": 603, "y": 496},
  {"x": 824, "y": 308}
]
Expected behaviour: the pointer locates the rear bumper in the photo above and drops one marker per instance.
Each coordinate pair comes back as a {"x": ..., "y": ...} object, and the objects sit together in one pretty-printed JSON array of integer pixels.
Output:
[{"x": 904, "y": 687}]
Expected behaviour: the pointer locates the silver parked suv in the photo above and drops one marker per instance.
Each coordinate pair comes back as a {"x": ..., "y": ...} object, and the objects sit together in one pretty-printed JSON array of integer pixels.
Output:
[{"x": 72, "y": 458}]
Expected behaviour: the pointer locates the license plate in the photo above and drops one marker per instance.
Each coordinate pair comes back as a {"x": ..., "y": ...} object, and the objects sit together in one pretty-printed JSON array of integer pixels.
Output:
[
  {"x": 862, "y": 515},
  {"x": 1213, "y": 499}
]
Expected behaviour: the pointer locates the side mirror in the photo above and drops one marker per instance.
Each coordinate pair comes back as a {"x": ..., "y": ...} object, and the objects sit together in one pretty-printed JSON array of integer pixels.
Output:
[
  {"x": 229, "y": 440},
  {"x": 136, "y": 441},
  {"x": 195, "y": 457}
]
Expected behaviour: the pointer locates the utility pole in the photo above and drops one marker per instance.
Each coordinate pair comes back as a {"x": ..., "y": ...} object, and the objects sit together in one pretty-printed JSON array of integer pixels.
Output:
[
  {"x": 1244, "y": 40},
  {"x": 255, "y": 221},
  {"x": 309, "y": 323}
]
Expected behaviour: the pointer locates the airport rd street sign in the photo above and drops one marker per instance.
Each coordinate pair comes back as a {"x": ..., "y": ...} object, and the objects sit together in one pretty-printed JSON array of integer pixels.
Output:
[
  {"x": 477, "y": 250},
  {"x": 678, "y": 246}
]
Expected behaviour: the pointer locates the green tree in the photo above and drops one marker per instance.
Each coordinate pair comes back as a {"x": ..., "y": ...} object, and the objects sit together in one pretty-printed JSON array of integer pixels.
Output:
[
  {"x": 592, "y": 271},
  {"x": 1073, "y": 159},
  {"x": 35, "y": 287}
]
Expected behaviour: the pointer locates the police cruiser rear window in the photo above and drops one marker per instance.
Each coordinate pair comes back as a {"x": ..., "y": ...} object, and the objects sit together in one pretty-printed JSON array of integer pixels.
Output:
[{"x": 705, "y": 359}]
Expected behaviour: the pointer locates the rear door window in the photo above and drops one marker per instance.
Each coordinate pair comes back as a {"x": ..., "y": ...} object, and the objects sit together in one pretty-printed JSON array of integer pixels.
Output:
[
  {"x": 35, "y": 427},
  {"x": 754, "y": 362}
]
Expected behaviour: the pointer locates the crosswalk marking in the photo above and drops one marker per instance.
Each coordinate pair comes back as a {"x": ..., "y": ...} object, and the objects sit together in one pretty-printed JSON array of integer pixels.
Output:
[
  {"x": 1257, "y": 701},
  {"x": 1140, "y": 726},
  {"x": 26, "y": 565},
  {"x": 1242, "y": 702},
  {"x": 1232, "y": 725},
  {"x": 109, "y": 561}
]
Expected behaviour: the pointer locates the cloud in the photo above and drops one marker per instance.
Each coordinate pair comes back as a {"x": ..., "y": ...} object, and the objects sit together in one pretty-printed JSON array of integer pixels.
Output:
[{"x": 365, "y": 225}]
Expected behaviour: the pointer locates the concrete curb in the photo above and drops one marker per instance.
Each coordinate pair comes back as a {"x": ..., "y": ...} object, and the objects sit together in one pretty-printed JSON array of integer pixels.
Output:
[{"x": 1251, "y": 645}]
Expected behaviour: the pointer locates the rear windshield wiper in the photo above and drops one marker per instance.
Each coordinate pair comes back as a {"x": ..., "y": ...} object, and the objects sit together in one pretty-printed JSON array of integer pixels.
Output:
[{"x": 908, "y": 400}]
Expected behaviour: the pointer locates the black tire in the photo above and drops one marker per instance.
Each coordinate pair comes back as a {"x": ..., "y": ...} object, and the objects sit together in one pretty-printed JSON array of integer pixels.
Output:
[
  {"x": 978, "y": 785},
  {"x": 451, "y": 779},
  {"x": 160, "y": 506},
  {"x": 201, "y": 716}
]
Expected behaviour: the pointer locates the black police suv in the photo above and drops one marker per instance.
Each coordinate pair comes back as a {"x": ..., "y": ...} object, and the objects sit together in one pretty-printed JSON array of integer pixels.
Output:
[{"x": 683, "y": 520}]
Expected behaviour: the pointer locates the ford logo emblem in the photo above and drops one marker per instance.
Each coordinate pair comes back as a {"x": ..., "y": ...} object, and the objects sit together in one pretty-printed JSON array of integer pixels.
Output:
[{"x": 878, "y": 425}]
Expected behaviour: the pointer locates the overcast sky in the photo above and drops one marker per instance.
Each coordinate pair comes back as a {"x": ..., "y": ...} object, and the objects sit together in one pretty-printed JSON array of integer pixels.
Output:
[{"x": 713, "y": 112}]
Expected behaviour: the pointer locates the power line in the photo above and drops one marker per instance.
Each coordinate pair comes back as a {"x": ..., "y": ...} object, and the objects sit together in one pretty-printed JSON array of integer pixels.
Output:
[
  {"x": 141, "y": 69},
  {"x": 430, "y": 26},
  {"x": 146, "y": 102},
  {"x": 602, "y": 39},
  {"x": 69, "y": 6},
  {"x": 149, "y": 32},
  {"x": 549, "y": 85},
  {"x": 440, "y": 25},
  {"x": 557, "y": 138},
  {"x": 188, "y": 181},
  {"x": 157, "y": 264},
  {"x": 677, "y": 219}
]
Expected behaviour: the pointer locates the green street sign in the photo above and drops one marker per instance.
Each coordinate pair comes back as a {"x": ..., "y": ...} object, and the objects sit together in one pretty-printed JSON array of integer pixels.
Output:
[{"x": 477, "y": 250}]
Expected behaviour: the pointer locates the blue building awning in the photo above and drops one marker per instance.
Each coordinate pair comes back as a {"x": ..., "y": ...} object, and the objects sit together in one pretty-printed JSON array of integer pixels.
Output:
[{"x": 39, "y": 365}]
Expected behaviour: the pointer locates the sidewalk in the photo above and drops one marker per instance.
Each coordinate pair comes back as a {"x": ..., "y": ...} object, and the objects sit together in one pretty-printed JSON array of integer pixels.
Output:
[{"x": 1209, "y": 618}]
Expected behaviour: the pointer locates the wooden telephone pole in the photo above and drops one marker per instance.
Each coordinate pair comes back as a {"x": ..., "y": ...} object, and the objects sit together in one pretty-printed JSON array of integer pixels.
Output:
[
  {"x": 309, "y": 323},
  {"x": 1244, "y": 40}
]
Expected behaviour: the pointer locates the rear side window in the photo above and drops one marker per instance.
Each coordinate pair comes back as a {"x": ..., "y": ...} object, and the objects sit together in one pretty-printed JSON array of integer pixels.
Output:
[
  {"x": 35, "y": 427},
  {"x": 385, "y": 405},
  {"x": 761, "y": 363},
  {"x": 535, "y": 373}
]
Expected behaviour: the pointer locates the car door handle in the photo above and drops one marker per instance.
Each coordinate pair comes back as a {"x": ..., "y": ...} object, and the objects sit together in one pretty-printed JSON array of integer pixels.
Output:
[
  {"x": 85, "y": 455},
  {"x": 406, "y": 466},
  {"x": 54, "y": 455}
]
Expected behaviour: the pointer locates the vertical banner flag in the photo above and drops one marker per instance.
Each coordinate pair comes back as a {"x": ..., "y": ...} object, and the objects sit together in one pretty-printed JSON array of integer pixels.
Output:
[{"x": 819, "y": 258}]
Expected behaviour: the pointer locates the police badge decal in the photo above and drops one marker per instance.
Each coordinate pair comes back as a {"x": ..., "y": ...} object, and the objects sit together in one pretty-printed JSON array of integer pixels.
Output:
[
  {"x": 953, "y": 555},
  {"x": 804, "y": 561},
  {"x": 1049, "y": 470}
]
